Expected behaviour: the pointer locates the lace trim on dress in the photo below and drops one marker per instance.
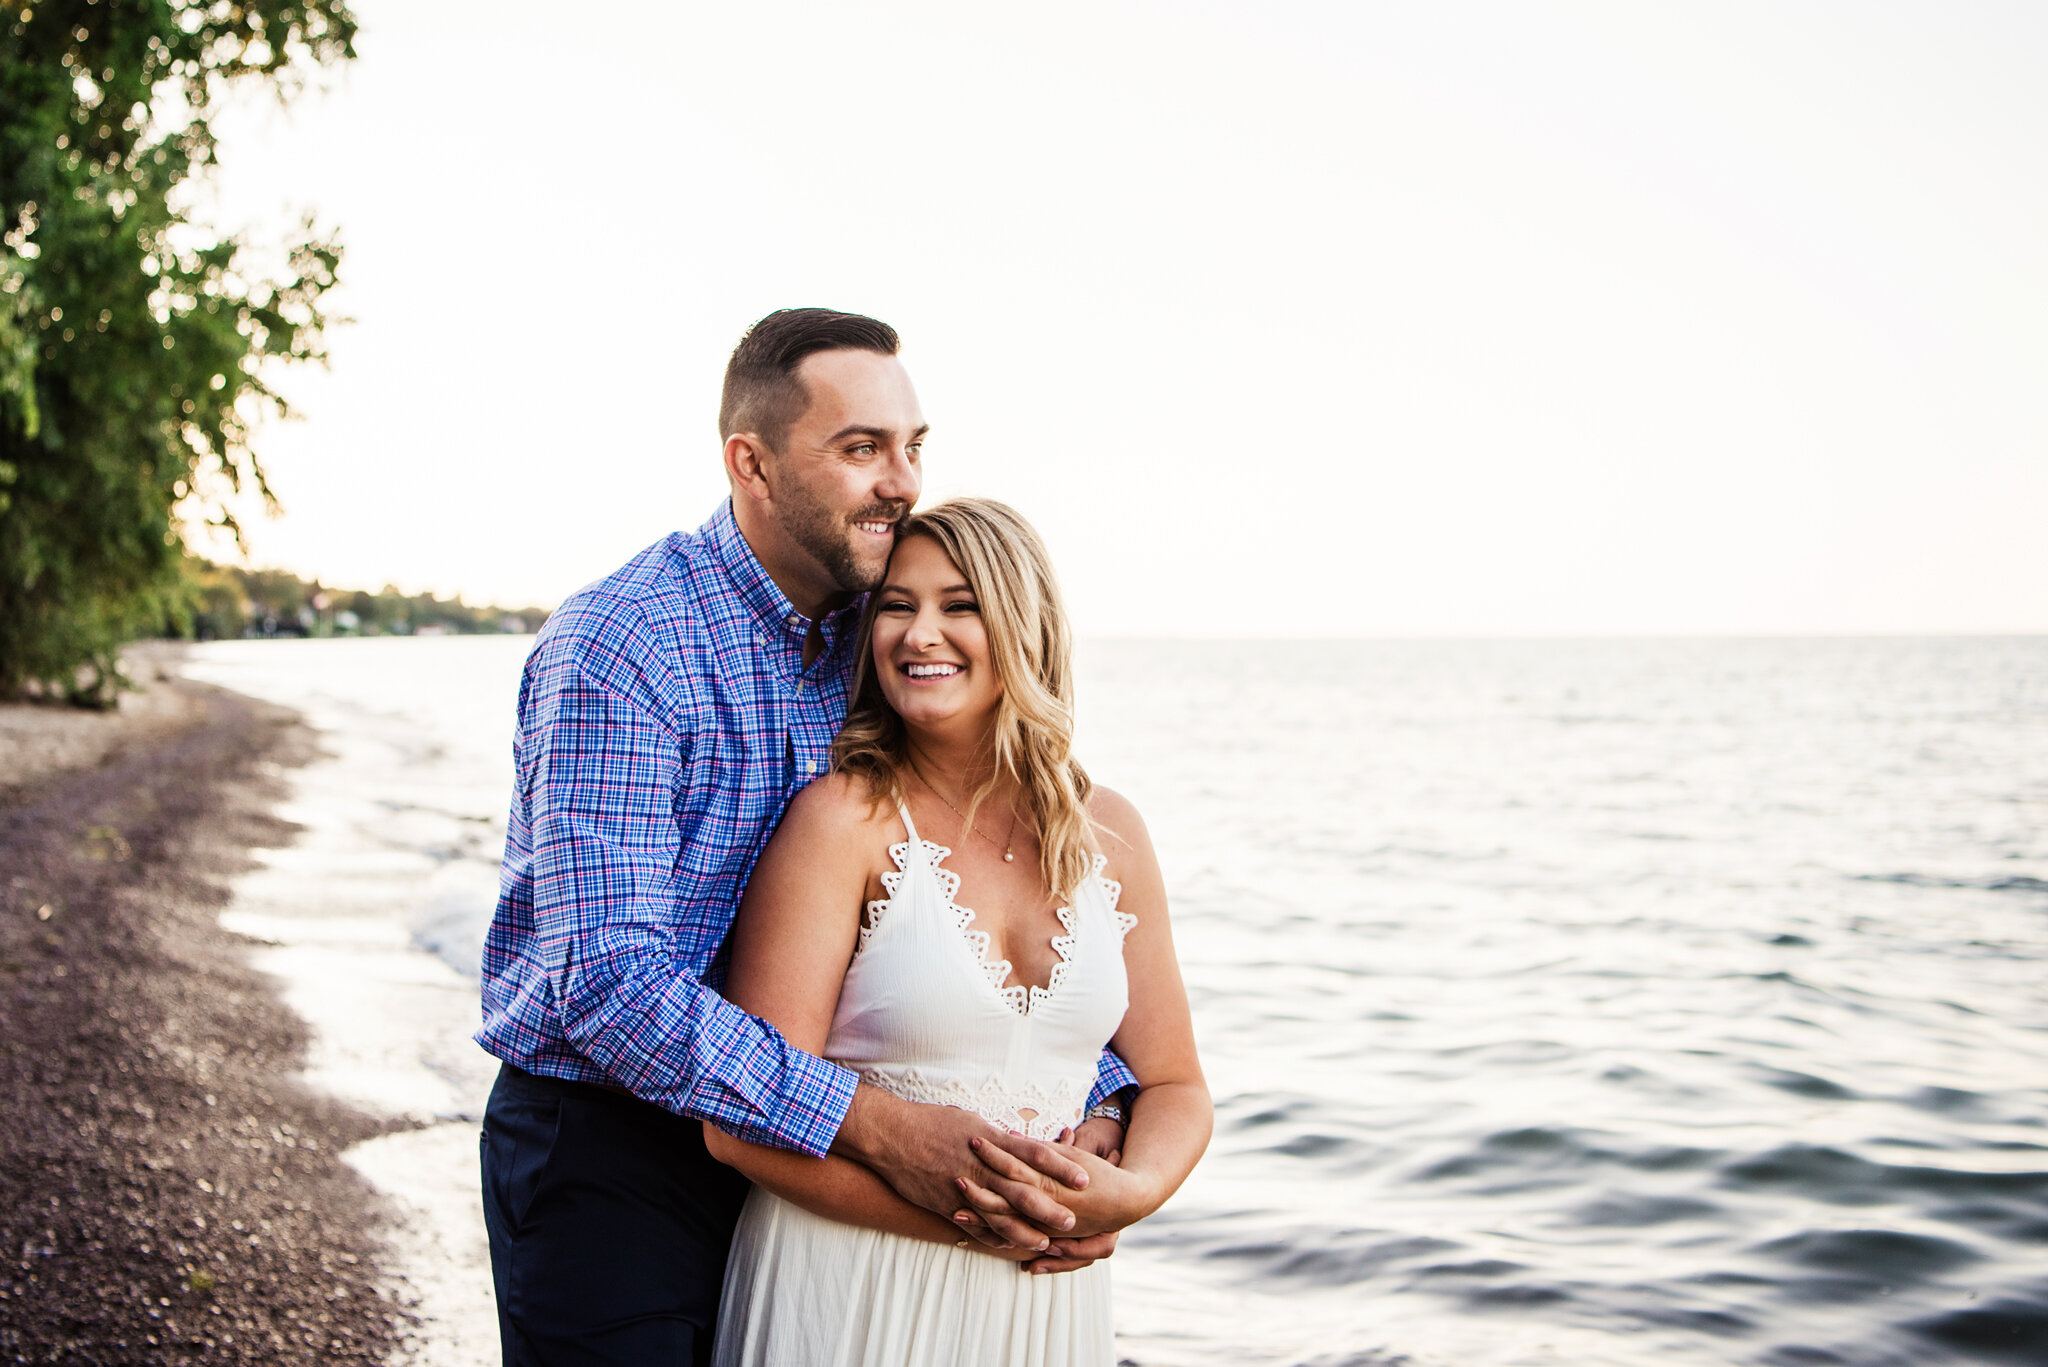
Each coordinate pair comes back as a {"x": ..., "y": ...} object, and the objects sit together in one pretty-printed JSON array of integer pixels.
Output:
[
  {"x": 1124, "y": 920},
  {"x": 1050, "y": 1109},
  {"x": 1023, "y": 998},
  {"x": 892, "y": 883}
]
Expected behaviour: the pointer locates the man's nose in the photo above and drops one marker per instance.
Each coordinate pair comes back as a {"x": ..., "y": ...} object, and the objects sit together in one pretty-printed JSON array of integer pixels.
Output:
[{"x": 900, "y": 480}]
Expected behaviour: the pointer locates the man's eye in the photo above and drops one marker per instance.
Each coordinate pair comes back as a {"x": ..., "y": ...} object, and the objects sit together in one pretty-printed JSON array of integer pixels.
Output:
[
  {"x": 866, "y": 448},
  {"x": 914, "y": 450}
]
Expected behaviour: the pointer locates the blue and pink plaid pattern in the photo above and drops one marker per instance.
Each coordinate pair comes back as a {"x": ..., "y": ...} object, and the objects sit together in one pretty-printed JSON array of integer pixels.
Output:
[{"x": 666, "y": 718}]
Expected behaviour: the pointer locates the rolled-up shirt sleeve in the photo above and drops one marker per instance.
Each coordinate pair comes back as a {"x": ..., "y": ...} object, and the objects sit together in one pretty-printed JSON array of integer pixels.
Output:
[
  {"x": 1112, "y": 1075},
  {"x": 601, "y": 774}
]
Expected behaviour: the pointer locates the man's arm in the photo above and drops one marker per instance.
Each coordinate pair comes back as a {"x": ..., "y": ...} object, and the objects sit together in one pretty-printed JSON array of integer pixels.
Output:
[
  {"x": 602, "y": 775},
  {"x": 1112, "y": 1076}
]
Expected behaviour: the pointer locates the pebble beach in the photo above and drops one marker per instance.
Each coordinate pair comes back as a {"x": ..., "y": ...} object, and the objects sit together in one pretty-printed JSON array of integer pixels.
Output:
[{"x": 219, "y": 1141}]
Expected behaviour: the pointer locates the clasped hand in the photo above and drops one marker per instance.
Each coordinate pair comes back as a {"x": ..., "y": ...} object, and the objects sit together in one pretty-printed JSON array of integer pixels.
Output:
[
  {"x": 1052, "y": 1206},
  {"x": 1096, "y": 1199}
]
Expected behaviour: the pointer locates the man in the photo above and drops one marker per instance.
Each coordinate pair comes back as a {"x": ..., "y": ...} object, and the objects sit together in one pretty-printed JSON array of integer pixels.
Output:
[{"x": 667, "y": 715}]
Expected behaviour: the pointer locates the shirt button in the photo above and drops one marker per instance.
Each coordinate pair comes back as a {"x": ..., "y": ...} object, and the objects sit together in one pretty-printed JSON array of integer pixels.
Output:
[{"x": 810, "y": 766}]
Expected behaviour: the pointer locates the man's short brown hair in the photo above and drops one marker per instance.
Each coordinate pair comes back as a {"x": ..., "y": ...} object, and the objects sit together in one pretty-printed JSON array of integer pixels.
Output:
[{"x": 763, "y": 394}]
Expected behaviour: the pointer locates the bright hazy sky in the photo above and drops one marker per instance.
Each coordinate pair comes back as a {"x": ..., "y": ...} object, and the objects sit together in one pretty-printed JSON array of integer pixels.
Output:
[{"x": 1278, "y": 318}]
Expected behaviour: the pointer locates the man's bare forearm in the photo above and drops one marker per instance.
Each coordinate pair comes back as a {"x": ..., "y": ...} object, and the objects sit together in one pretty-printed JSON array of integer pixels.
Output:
[{"x": 865, "y": 1134}]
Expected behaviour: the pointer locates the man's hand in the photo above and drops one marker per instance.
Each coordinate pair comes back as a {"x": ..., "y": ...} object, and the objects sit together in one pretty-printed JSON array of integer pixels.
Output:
[
  {"x": 928, "y": 1155},
  {"x": 1104, "y": 1138},
  {"x": 1112, "y": 1200},
  {"x": 1101, "y": 1136}
]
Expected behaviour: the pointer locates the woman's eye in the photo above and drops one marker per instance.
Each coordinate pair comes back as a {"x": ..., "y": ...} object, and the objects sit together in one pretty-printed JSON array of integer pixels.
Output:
[
  {"x": 894, "y": 605},
  {"x": 964, "y": 605}
]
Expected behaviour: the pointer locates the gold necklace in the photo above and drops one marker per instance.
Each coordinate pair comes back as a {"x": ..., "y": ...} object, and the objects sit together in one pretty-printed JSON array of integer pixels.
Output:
[{"x": 1009, "y": 841}]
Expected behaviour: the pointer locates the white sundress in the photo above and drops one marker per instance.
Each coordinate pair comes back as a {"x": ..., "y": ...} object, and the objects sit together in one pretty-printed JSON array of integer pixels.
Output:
[{"x": 923, "y": 1014}]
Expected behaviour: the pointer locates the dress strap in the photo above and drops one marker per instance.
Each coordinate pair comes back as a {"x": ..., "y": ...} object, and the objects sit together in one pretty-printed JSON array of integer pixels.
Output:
[{"x": 903, "y": 810}]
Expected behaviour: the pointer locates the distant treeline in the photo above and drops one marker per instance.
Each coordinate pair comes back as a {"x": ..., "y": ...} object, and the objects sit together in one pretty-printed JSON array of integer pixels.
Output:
[{"x": 227, "y": 601}]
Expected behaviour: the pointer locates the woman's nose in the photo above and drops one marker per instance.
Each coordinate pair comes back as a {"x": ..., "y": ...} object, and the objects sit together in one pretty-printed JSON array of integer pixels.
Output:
[{"x": 924, "y": 631}]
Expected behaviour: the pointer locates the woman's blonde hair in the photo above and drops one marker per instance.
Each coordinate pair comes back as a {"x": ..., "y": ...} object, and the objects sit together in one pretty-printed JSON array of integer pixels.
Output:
[{"x": 1032, "y": 646}]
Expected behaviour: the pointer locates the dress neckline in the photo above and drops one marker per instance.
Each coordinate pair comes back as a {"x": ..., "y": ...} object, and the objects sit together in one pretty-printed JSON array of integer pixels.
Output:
[{"x": 1022, "y": 998}]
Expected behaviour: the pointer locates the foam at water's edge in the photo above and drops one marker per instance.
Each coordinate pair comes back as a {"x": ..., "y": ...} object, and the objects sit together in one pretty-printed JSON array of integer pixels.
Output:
[{"x": 336, "y": 917}]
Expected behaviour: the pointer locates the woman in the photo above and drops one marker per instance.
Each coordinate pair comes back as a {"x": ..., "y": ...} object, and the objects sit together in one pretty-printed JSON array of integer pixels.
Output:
[{"x": 954, "y": 766}]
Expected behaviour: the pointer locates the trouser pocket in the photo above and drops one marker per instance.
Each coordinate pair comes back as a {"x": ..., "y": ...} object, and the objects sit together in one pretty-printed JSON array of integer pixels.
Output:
[{"x": 521, "y": 1125}]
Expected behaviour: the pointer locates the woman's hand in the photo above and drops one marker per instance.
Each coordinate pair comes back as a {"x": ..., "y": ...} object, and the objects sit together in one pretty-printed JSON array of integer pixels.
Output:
[
  {"x": 1112, "y": 1200},
  {"x": 1100, "y": 1137},
  {"x": 1104, "y": 1138}
]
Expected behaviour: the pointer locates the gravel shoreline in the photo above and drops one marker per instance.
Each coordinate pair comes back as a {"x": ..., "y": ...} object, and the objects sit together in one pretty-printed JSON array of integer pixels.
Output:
[{"x": 170, "y": 1191}]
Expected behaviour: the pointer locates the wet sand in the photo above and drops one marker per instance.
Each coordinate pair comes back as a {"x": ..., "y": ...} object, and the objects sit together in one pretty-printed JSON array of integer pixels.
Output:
[{"x": 171, "y": 1188}]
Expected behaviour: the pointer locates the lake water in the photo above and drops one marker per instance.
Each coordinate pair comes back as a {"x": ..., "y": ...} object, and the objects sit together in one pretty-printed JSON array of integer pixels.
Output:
[{"x": 1658, "y": 1002}]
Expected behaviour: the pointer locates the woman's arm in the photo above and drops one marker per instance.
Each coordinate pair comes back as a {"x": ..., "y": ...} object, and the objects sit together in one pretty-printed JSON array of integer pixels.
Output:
[
  {"x": 1172, "y": 1118},
  {"x": 791, "y": 943},
  {"x": 834, "y": 1187}
]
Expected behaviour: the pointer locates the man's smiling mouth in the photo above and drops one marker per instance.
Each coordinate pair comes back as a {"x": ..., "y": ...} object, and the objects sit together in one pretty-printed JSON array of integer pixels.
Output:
[{"x": 877, "y": 528}]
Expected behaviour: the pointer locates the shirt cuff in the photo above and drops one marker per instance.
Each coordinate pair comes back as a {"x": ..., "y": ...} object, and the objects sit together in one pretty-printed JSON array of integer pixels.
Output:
[
  {"x": 813, "y": 1105},
  {"x": 1112, "y": 1077}
]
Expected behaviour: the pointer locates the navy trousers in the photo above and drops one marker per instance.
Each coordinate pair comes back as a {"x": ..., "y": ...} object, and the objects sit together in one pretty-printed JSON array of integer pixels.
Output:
[{"x": 609, "y": 1226}]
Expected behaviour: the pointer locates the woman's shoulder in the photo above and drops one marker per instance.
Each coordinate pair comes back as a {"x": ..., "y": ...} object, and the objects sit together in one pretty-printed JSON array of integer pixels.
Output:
[
  {"x": 1128, "y": 859},
  {"x": 840, "y": 807},
  {"x": 833, "y": 827},
  {"x": 1116, "y": 818}
]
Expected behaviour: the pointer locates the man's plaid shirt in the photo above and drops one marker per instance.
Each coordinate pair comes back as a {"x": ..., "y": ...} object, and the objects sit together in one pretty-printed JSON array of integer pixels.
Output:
[{"x": 666, "y": 718}]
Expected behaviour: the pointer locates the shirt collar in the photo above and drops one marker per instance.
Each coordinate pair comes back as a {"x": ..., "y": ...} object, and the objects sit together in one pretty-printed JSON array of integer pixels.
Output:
[{"x": 759, "y": 592}]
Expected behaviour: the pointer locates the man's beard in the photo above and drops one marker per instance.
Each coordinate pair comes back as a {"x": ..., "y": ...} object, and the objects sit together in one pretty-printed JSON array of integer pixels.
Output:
[{"x": 829, "y": 539}]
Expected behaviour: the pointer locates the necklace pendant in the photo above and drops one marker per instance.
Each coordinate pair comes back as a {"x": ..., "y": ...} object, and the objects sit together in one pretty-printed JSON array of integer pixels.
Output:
[{"x": 1009, "y": 858}]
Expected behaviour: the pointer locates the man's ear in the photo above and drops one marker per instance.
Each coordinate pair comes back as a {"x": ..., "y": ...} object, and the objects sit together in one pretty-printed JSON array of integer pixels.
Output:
[{"x": 746, "y": 466}]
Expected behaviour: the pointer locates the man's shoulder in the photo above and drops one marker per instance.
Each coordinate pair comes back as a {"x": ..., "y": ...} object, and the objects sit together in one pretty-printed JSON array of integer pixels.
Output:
[
  {"x": 629, "y": 631},
  {"x": 661, "y": 594},
  {"x": 621, "y": 599}
]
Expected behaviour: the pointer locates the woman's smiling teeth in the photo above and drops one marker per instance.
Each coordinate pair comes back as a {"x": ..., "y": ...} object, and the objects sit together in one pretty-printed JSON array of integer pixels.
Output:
[{"x": 931, "y": 671}]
